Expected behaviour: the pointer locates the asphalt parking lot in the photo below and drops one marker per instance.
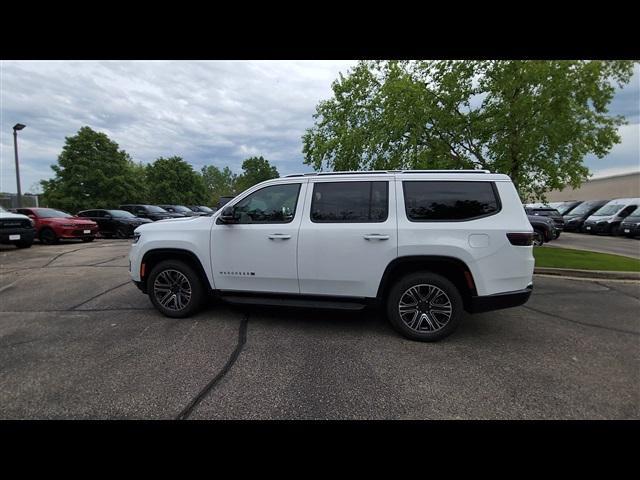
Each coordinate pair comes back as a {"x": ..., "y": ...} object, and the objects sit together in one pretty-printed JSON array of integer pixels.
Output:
[
  {"x": 79, "y": 341},
  {"x": 629, "y": 247}
]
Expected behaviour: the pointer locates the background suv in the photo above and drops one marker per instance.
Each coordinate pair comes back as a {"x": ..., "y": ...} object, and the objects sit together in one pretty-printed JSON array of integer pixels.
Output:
[
  {"x": 118, "y": 223},
  {"x": 182, "y": 210},
  {"x": 152, "y": 212},
  {"x": 552, "y": 213},
  {"x": 16, "y": 229},
  {"x": 425, "y": 246},
  {"x": 51, "y": 225},
  {"x": 574, "y": 220}
]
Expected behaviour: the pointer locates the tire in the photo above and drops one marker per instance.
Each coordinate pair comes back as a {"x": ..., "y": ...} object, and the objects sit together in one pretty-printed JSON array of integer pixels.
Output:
[
  {"x": 88, "y": 239},
  {"x": 557, "y": 235},
  {"x": 538, "y": 238},
  {"x": 426, "y": 327},
  {"x": 48, "y": 236},
  {"x": 121, "y": 232},
  {"x": 24, "y": 244},
  {"x": 170, "y": 307}
]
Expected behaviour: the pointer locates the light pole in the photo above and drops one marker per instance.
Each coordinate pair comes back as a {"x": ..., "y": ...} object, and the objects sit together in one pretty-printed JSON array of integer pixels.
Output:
[{"x": 16, "y": 127}]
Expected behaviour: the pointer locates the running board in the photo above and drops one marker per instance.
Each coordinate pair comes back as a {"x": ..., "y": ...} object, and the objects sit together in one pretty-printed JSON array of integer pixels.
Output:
[{"x": 292, "y": 302}]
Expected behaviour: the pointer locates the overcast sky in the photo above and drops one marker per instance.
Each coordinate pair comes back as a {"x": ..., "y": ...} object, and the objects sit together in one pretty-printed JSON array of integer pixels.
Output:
[{"x": 207, "y": 112}]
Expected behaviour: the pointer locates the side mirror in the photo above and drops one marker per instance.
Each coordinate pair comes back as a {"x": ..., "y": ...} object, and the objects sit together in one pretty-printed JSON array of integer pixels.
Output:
[
  {"x": 31, "y": 216},
  {"x": 108, "y": 217},
  {"x": 229, "y": 215}
]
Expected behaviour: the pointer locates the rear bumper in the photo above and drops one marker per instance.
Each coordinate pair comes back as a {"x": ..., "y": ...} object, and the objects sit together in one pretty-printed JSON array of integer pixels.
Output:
[{"x": 487, "y": 303}]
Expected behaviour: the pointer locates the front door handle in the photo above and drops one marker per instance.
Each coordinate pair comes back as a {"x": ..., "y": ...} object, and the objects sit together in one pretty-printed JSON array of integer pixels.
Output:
[
  {"x": 279, "y": 236},
  {"x": 376, "y": 236}
]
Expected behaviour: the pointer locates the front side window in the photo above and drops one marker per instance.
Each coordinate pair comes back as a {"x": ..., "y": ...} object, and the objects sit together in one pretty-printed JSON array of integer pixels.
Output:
[
  {"x": 433, "y": 201},
  {"x": 274, "y": 204},
  {"x": 350, "y": 202}
]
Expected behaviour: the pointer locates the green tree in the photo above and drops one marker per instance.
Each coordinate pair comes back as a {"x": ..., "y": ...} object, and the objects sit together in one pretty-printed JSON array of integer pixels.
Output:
[
  {"x": 533, "y": 120},
  {"x": 173, "y": 181},
  {"x": 255, "y": 170},
  {"x": 91, "y": 173},
  {"x": 218, "y": 182}
]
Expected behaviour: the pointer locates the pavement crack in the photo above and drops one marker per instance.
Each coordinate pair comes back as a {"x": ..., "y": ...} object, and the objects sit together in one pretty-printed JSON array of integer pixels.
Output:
[
  {"x": 98, "y": 295},
  {"x": 595, "y": 325},
  {"x": 617, "y": 290},
  {"x": 242, "y": 340}
]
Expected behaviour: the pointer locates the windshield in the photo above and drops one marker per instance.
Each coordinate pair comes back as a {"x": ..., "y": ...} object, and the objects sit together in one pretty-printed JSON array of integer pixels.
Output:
[
  {"x": 180, "y": 208},
  {"x": 3, "y": 210},
  {"x": 608, "y": 210},
  {"x": 153, "y": 208},
  {"x": 582, "y": 208},
  {"x": 51, "y": 213},
  {"x": 564, "y": 207},
  {"x": 634, "y": 216},
  {"x": 120, "y": 214}
]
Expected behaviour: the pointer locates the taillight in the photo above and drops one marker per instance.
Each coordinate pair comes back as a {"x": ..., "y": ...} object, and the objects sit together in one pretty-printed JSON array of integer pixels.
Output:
[{"x": 521, "y": 239}]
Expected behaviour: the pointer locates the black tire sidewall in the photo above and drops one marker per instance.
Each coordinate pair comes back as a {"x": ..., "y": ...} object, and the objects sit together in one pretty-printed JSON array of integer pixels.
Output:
[
  {"x": 51, "y": 240},
  {"x": 441, "y": 282},
  {"x": 197, "y": 288}
]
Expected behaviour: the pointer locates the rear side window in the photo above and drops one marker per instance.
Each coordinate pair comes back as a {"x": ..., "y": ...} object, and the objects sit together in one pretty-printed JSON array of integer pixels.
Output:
[
  {"x": 435, "y": 201},
  {"x": 350, "y": 202}
]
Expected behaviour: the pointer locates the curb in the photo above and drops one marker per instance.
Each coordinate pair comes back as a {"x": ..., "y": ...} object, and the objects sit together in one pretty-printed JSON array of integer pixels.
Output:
[{"x": 568, "y": 272}]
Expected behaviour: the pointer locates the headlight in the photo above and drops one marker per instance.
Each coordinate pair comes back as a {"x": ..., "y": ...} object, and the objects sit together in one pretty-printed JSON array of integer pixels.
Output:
[{"x": 136, "y": 237}]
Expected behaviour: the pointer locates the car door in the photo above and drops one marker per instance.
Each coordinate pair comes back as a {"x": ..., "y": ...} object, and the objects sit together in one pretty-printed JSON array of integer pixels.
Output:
[
  {"x": 258, "y": 252},
  {"x": 348, "y": 236}
]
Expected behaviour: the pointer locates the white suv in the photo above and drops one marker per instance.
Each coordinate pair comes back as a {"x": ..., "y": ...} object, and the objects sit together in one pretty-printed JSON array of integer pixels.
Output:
[{"x": 426, "y": 245}]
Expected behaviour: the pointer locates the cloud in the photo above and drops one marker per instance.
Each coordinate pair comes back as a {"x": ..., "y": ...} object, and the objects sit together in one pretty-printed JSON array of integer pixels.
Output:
[
  {"x": 208, "y": 112},
  {"x": 213, "y": 112}
]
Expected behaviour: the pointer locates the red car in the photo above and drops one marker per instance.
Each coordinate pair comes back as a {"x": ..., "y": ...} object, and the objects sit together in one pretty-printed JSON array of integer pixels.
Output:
[{"x": 52, "y": 225}]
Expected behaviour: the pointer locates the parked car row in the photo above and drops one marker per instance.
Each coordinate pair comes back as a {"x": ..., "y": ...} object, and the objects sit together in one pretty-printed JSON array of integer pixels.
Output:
[
  {"x": 22, "y": 225},
  {"x": 620, "y": 216}
]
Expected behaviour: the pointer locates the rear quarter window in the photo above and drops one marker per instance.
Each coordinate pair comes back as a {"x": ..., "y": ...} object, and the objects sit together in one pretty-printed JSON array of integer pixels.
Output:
[{"x": 447, "y": 201}]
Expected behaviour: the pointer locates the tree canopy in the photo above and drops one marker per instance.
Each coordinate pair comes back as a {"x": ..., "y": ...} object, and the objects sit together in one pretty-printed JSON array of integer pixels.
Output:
[
  {"x": 92, "y": 172},
  {"x": 533, "y": 120},
  {"x": 174, "y": 181},
  {"x": 218, "y": 182},
  {"x": 254, "y": 171}
]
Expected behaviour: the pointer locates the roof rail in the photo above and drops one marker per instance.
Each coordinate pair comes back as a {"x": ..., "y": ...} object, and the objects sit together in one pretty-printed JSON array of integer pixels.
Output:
[{"x": 377, "y": 172}]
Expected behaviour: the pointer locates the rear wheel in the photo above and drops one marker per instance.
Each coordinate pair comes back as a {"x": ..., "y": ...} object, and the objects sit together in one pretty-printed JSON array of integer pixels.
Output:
[
  {"x": 48, "y": 236},
  {"x": 424, "y": 306},
  {"x": 121, "y": 232},
  {"x": 175, "y": 289},
  {"x": 538, "y": 238}
]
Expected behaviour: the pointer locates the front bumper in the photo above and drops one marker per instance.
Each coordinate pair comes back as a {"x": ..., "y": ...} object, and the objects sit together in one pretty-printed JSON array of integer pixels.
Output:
[
  {"x": 487, "y": 303},
  {"x": 26, "y": 234},
  {"x": 590, "y": 227},
  {"x": 634, "y": 230},
  {"x": 78, "y": 232}
]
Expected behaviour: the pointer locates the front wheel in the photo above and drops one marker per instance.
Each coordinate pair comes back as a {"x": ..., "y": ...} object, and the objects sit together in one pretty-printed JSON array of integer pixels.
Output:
[
  {"x": 48, "y": 236},
  {"x": 424, "y": 306},
  {"x": 24, "y": 244},
  {"x": 175, "y": 289}
]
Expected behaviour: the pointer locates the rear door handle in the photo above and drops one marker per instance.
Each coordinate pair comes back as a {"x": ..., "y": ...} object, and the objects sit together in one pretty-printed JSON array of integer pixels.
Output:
[
  {"x": 376, "y": 236},
  {"x": 279, "y": 236}
]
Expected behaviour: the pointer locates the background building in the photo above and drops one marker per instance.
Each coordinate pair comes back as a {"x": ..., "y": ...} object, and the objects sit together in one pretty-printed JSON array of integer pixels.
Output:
[{"x": 605, "y": 188}]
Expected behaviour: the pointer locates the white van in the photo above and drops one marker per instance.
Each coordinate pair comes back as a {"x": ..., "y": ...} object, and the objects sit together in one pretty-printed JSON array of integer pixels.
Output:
[{"x": 607, "y": 218}]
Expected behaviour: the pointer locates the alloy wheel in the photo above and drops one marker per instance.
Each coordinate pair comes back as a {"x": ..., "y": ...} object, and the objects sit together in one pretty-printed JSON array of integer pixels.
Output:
[
  {"x": 172, "y": 290},
  {"x": 425, "y": 308}
]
